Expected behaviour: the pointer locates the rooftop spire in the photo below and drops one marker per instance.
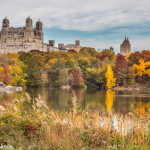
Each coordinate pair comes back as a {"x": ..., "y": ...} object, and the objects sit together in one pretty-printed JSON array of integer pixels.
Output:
[{"x": 5, "y": 18}]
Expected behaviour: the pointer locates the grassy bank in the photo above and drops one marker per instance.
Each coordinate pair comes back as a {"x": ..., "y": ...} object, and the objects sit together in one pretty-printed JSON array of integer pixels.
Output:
[{"x": 29, "y": 124}]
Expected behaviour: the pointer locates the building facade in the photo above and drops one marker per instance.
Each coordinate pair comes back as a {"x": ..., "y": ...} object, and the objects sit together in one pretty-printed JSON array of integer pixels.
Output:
[
  {"x": 67, "y": 47},
  {"x": 125, "y": 47},
  {"x": 13, "y": 40},
  {"x": 51, "y": 46}
]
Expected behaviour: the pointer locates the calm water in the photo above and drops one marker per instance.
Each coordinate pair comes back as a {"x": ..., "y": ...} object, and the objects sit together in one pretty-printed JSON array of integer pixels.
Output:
[{"x": 116, "y": 101}]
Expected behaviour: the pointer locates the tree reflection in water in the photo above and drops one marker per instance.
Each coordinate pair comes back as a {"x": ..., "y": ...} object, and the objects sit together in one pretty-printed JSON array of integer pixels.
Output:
[
  {"x": 109, "y": 99},
  {"x": 135, "y": 101}
]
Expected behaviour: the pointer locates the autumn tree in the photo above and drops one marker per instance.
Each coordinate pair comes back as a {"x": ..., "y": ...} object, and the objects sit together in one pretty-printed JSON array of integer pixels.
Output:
[
  {"x": 35, "y": 70},
  {"x": 135, "y": 57},
  {"x": 78, "y": 80},
  {"x": 88, "y": 51},
  {"x": 131, "y": 76},
  {"x": 6, "y": 60},
  {"x": 107, "y": 54},
  {"x": 142, "y": 71},
  {"x": 65, "y": 77},
  {"x": 102, "y": 57},
  {"x": 17, "y": 73},
  {"x": 25, "y": 57},
  {"x": 70, "y": 63},
  {"x": 5, "y": 75},
  {"x": 109, "y": 77},
  {"x": 143, "y": 68},
  {"x": 120, "y": 71}
]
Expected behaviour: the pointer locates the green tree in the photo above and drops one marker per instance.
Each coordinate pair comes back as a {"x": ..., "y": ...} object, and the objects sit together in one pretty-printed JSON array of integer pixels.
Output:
[
  {"x": 91, "y": 76},
  {"x": 88, "y": 51},
  {"x": 83, "y": 63},
  {"x": 34, "y": 78},
  {"x": 54, "y": 72},
  {"x": 65, "y": 77}
]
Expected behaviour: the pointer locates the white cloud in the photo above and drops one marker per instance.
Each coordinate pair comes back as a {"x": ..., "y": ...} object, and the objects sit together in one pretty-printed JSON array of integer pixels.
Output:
[
  {"x": 86, "y": 15},
  {"x": 83, "y": 15}
]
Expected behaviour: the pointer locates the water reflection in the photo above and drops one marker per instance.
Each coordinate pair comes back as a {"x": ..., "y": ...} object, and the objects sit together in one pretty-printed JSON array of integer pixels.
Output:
[
  {"x": 109, "y": 99},
  {"x": 116, "y": 101},
  {"x": 142, "y": 108}
]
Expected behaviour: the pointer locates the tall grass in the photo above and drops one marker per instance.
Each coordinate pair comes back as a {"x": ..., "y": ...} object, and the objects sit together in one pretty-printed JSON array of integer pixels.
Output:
[{"x": 29, "y": 124}]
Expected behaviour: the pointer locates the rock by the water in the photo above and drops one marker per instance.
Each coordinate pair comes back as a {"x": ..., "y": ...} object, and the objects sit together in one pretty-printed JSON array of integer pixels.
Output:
[
  {"x": 18, "y": 89},
  {"x": 9, "y": 89},
  {"x": 2, "y": 87},
  {"x": 2, "y": 84}
]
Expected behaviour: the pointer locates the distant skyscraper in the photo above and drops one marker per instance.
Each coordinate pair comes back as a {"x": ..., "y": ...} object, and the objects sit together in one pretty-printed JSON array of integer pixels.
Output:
[{"x": 125, "y": 47}]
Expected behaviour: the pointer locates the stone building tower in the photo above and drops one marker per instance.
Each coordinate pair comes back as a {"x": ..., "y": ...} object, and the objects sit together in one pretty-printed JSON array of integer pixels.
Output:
[
  {"x": 52, "y": 43},
  {"x": 13, "y": 40},
  {"x": 125, "y": 47},
  {"x": 39, "y": 25},
  {"x": 28, "y": 33},
  {"x": 39, "y": 30},
  {"x": 77, "y": 42},
  {"x": 5, "y": 24},
  {"x": 4, "y": 32},
  {"x": 28, "y": 25}
]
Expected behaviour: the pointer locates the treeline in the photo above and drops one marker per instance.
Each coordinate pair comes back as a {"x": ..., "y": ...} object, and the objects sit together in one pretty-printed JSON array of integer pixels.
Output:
[{"x": 87, "y": 67}]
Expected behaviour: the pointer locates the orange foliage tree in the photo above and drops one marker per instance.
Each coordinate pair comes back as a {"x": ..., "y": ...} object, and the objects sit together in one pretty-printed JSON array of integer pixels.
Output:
[
  {"x": 78, "y": 80},
  {"x": 135, "y": 57},
  {"x": 143, "y": 68},
  {"x": 5, "y": 75}
]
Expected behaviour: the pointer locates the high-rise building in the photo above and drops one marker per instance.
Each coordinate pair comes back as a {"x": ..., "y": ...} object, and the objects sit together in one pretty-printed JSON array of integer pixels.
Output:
[{"x": 125, "y": 47}]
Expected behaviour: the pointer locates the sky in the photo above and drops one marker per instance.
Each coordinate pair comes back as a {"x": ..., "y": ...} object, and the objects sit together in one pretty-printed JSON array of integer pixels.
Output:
[{"x": 96, "y": 23}]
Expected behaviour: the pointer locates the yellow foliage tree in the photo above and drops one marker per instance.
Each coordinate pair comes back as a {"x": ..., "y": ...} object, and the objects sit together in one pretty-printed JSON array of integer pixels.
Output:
[
  {"x": 14, "y": 55},
  {"x": 109, "y": 77},
  {"x": 50, "y": 63},
  {"x": 143, "y": 68},
  {"x": 1, "y": 68},
  {"x": 127, "y": 56},
  {"x": 18, "y": 74}
]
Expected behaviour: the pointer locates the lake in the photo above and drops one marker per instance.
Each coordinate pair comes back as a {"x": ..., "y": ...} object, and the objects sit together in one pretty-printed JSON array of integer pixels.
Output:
[{"x": 91, "y": 99}]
